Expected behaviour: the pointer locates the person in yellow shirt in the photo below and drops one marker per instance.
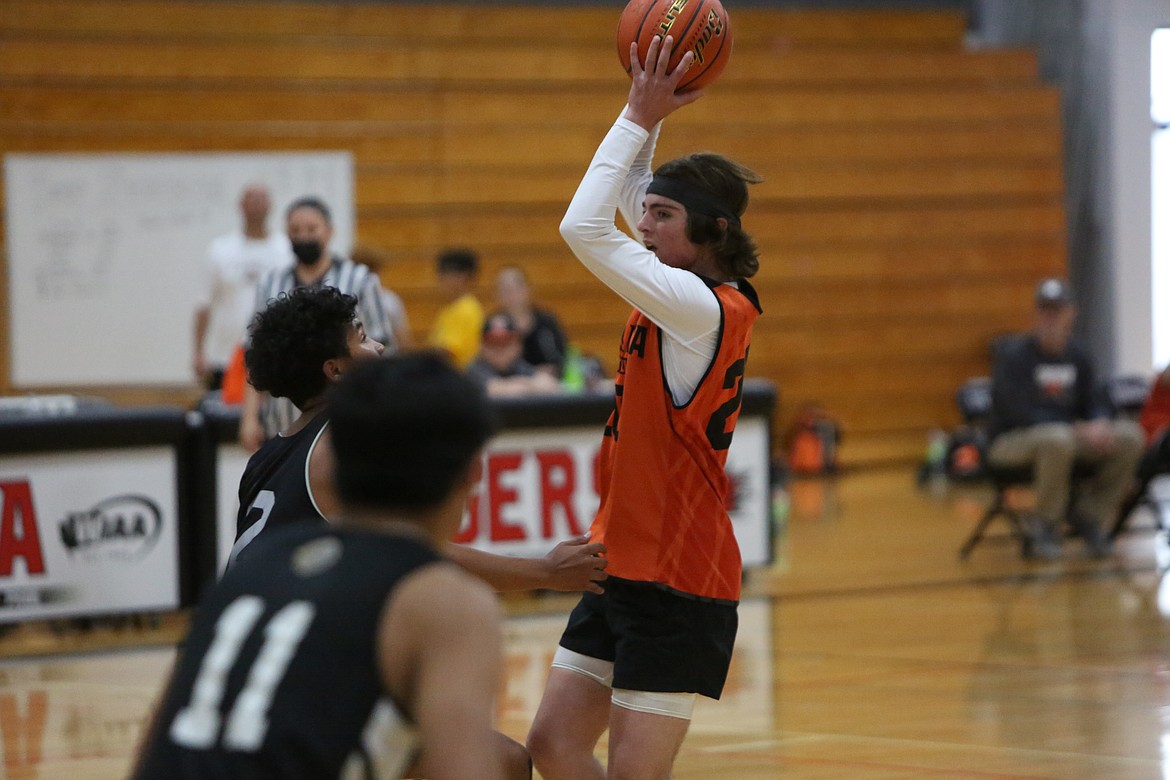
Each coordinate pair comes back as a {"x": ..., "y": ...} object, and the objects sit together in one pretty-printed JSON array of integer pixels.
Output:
[{"x": 460, "y": 322}]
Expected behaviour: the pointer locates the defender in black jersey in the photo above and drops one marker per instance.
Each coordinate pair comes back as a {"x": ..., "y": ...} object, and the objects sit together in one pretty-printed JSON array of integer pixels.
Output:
[
  {"x": 300, "y": 345},
  {"x": 343, "y": 650}
]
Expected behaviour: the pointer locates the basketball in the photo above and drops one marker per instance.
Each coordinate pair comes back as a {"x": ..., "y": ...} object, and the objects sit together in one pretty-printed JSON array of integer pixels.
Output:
[{"x": 700, "y": 26}]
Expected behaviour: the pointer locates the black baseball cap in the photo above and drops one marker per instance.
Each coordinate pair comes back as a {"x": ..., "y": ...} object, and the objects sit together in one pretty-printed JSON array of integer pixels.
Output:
[{"x": 1053, "y": 292}]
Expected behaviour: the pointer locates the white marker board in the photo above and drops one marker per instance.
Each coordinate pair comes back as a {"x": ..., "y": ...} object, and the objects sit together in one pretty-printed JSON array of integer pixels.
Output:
[{"x": 106, "y": 253}]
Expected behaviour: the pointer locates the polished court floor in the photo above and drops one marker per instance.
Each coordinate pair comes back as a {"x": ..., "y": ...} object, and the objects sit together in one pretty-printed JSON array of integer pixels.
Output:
[{"x": 868, "y": 650}]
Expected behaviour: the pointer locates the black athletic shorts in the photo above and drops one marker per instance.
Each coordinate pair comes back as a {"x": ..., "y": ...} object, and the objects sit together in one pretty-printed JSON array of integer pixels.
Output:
[{"x": 658, "y": 639}]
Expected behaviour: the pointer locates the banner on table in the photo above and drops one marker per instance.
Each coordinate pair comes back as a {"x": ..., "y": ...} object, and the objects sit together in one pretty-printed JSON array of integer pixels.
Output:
[
  {"x": 539, "y": 488},
  {"x": 88, "y": 532}
]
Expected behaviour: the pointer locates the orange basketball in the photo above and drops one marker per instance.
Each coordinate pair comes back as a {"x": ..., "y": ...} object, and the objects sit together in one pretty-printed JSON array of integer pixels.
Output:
[{"x": 700, "y": 26}]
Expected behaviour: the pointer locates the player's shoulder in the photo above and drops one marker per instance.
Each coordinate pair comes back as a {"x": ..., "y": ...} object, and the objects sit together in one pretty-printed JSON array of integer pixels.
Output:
[
  {"x": 739, "y": 293},
  {"x": 443, "y": 593}
]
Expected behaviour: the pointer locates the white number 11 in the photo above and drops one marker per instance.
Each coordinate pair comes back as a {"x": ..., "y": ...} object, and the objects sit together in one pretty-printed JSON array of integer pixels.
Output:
[{"x": 197, "y": 725}]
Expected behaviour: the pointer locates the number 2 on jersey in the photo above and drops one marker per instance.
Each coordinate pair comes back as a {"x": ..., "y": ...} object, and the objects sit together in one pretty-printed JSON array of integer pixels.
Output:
[
  {"x": 717, "y": 433},
  {"x": 197, "y": 725}
]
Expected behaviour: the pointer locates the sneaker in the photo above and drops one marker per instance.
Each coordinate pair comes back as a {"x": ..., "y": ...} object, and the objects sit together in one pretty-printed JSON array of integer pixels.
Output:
[
  {"x": 1040, "y": 539},
  {"x": 1096, "y": 541}
]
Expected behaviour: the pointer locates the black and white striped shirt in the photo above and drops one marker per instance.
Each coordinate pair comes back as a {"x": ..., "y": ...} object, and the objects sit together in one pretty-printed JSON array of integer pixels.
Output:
[{"x": 350, "y": 278}]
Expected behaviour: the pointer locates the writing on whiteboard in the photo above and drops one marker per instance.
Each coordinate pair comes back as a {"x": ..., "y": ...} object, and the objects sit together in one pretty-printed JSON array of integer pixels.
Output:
[{"x": 107, "y": 253}]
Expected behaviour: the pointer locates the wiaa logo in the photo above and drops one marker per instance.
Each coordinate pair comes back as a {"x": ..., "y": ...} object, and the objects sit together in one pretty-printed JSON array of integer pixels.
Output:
[{"x": 125, "y": 527}]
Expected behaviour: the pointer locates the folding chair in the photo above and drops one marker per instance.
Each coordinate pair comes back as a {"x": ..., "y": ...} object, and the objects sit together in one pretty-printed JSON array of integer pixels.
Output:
[
  {"x": 1126, "y": 394},
  {"x": 974, "y": 401}
]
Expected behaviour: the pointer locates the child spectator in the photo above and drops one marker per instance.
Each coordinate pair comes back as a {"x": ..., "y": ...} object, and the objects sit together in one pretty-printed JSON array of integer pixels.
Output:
[{"x": 457, "y": 328}]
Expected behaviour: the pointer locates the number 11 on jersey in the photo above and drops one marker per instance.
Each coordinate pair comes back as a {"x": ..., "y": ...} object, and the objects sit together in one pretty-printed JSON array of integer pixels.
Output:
[{"x": 197, "y": 725}]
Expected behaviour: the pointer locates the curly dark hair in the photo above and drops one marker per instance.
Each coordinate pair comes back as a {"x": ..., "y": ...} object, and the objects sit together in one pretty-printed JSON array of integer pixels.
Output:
[
  {"x": 405, "y": 429},
  {"x": 294, "y": 336},
  {"x": 726, "y": 180}
]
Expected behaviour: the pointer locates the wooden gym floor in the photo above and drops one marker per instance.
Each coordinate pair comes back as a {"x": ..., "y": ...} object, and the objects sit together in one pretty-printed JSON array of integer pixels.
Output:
[{"x": 866, "y": 651}]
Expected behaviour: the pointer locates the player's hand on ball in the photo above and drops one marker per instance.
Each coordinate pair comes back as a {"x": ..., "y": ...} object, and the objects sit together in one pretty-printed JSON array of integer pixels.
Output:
[{"x": 654, "y": 91}]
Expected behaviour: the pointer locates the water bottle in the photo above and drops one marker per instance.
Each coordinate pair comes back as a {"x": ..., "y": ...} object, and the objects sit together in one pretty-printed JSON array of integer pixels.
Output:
[
  {"x": 573, "y": 378},
  {"x": 936, "y": 452}
]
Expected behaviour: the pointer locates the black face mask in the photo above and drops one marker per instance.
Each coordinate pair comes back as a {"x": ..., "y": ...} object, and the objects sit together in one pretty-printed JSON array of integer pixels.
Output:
[{"x": 307, "y": 252}]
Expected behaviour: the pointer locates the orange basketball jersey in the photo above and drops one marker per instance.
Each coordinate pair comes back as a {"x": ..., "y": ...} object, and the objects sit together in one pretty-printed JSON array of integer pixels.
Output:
[{"x": 663, "y": 515}]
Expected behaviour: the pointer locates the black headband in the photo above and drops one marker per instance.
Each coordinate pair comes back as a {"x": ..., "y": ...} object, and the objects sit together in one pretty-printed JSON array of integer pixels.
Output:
[{"x": 692, "y": 197}]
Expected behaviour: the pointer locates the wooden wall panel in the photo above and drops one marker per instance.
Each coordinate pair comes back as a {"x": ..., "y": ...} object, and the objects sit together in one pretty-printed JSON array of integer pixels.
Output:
[
  {"x": 207, "y": 102},
  {"x": 431, "y": 143},
  {"x": 913, "y": 190},
  {"x": 190, "y": 18},
  {"x": 512, "y": 62}
]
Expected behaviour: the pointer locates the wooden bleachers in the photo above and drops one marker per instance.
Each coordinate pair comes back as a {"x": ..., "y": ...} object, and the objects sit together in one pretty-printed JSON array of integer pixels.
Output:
[{"x": 912, "y": 196}]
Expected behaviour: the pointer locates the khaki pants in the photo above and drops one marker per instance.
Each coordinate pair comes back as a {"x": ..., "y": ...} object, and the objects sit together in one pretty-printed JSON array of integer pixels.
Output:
[{"x": 1051, "y": 449}]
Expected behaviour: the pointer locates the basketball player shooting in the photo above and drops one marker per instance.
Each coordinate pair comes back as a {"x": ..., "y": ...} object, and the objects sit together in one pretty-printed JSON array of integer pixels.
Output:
[{"x": 634, "y": 658}]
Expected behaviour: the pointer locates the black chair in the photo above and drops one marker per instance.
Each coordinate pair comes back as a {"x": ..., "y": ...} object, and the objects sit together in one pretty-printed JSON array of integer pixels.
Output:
[
  {"x": 1126, "y": 395},
  {"x": 974, "y": 401}
]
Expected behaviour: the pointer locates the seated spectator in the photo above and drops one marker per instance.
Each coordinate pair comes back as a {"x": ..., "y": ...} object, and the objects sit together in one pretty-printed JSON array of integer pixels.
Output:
[
  {"x": 457, "y": 328},
  {"x": 543, "y": 338},
  {"x": 378, "y": 261},
  {"x": 500, "y": 366},
  {"x": 1047, "y": 414}
]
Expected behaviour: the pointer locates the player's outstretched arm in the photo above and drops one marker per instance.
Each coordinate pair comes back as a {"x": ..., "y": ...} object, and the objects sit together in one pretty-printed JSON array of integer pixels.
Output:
[
  {"x": 440, "y": 651},
  {"x": 574, "y": 564}
]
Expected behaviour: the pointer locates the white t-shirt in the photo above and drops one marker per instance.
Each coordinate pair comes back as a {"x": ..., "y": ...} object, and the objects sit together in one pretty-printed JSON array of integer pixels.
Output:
[{"x": 234, "y": 264}]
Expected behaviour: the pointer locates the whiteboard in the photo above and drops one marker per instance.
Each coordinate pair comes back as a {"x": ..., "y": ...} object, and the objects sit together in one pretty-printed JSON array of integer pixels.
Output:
[{"x": 106, "y": 254}]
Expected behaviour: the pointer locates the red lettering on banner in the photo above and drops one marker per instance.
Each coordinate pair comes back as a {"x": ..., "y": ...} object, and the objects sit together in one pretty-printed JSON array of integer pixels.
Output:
[
  {"x": 16, "y": 498},
  {"x": 557, "y": 492},
  {"x": 24, "y": 735},
  {"x": 500, "y": 496}
]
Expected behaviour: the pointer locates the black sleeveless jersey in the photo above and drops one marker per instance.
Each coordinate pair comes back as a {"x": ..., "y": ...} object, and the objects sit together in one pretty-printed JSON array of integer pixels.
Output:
[
  {"x": 279, "y": 677},
  {"x": 274, "y": 489}
]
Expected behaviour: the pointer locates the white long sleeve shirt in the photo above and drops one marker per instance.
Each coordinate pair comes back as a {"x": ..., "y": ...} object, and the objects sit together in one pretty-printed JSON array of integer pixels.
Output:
[{"x": 676, "y": 300}]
